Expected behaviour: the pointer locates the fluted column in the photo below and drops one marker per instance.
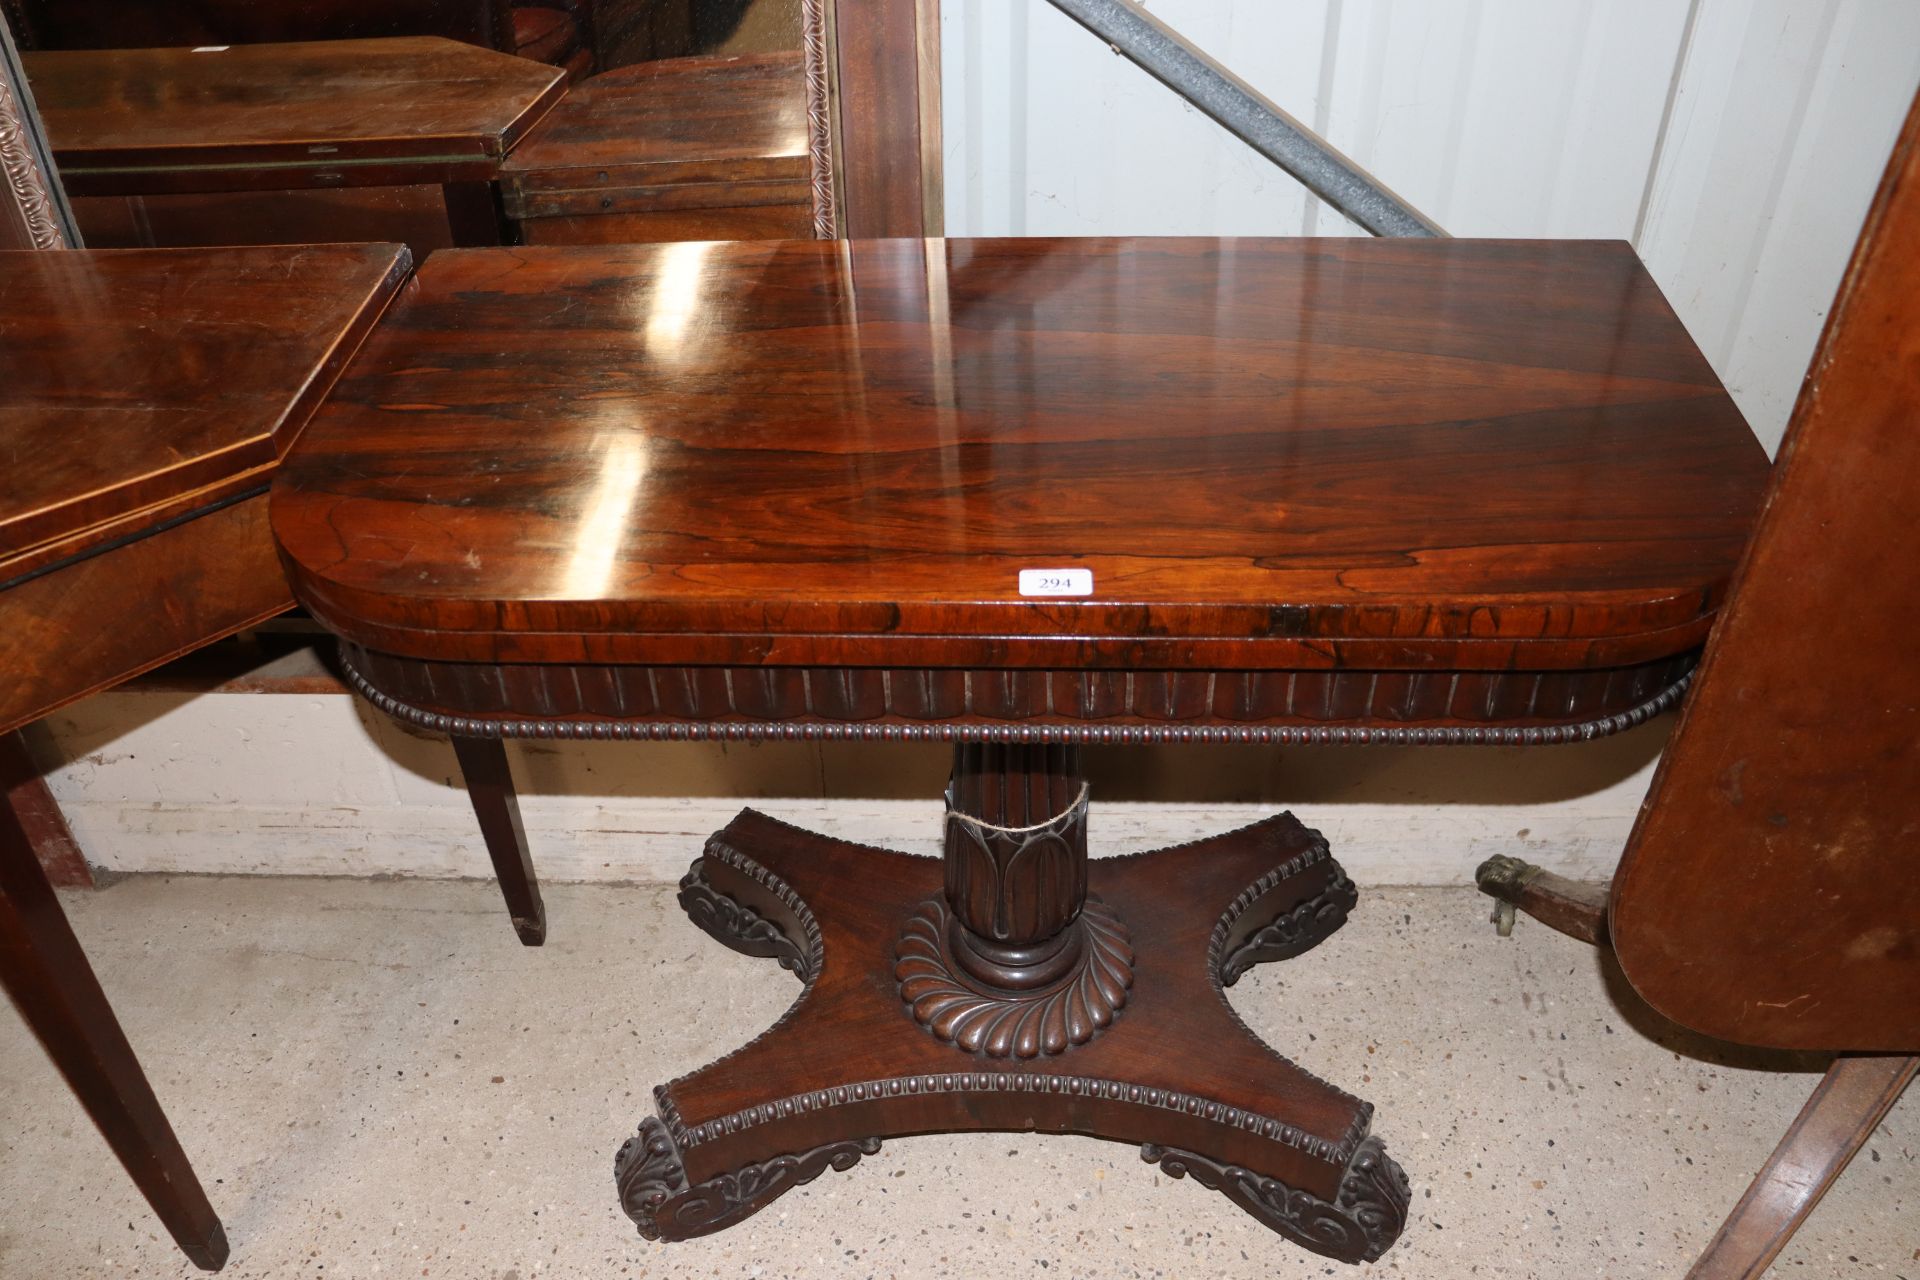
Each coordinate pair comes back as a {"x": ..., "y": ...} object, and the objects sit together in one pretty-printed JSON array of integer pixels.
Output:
[{"x": 1016, "y": 861}]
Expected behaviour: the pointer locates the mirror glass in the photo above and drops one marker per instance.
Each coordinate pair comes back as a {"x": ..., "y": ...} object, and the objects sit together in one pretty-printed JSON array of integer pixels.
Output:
[{"x": 431, "y": 122}]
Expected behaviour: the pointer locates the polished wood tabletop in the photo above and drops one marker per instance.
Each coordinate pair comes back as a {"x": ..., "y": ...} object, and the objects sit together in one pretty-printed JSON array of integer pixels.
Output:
[
  {"x": 136, "y": 376},
  {"x": 147, "y": 395},
  {"x": 677, "y": 149},
  {"x": 1265, "y": 453},
  {"x": 123, "y": 121},
  {"x": 675, "y": 121}
]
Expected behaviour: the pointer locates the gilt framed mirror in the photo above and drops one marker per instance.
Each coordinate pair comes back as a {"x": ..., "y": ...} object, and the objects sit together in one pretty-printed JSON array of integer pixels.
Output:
[
  {"x": 33, "y": 213},
  {"x": 440, "y": 123}
]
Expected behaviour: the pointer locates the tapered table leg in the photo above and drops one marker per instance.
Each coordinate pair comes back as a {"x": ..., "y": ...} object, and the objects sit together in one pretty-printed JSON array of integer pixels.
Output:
[
  {"x": 1016, "y": 986},
  {"x": 1847, "y": 1105},
  {"x": 22, "y": 787},
  {"x": 47, "y": 974},
  {"x": 483, "y": 762}
]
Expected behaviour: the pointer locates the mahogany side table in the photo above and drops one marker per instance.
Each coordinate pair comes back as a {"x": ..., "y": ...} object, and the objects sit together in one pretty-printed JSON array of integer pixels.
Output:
[
  {"x": 145, "y": 399},
  {"x": 1018, "y": 495},
  {"x": 330, "y": 140}
]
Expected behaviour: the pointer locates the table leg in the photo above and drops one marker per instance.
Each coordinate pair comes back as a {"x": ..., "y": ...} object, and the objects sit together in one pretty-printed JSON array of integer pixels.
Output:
[
  {"x": 1847, "y": 1105},
  {"x": 47, "y": 974},
  {"x": 1576, "y": 908},
  {"x": 34, "y": 807},
  {"x": 483, "y": 761},
  {"x": 1016, "y": 986}
]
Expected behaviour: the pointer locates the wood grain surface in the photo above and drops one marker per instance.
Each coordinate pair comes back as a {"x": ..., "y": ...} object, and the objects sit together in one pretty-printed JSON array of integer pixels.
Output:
[
  {"x": 1767, "y": 894},
  {"x": 1846, "y": 1108},
  {"x": 415, "y": 216},
  {"x": 779, "y": 221},
  {"x": 1268, "y": 453},
  {"x": 886, "y": 108},
  {"x": 277, "y": 116},
  {"x": 147, "y": 395},
  {"x": 126, "y": 24},
  {"x": 133, "y": 378},
  {"x": 680, "y": 122}
]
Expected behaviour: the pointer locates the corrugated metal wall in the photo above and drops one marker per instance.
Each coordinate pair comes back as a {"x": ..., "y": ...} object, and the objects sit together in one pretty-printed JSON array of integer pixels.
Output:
[{"x": 1735, "y": 142}]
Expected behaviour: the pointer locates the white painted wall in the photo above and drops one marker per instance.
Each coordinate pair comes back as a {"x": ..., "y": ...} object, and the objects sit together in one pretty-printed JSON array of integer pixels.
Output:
[
  {"x": 1736, "y": 142},
  {"x": 320, "y": 785}
]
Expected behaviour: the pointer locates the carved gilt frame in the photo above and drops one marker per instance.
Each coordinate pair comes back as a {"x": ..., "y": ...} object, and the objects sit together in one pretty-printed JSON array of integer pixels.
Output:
[{"x": 33, "y": 210}]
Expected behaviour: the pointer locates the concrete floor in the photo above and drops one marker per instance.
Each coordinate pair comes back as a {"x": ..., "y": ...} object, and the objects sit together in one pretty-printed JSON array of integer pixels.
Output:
[{"x": 374, "y": 1079}]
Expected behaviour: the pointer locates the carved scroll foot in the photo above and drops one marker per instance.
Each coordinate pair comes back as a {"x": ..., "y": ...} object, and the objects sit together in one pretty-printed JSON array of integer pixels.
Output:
[
  {"x": 1174, "y": 1070},
  {"x": 1287, "y": 912},
  {"x": 1358, "y": 1225},
  {"x": 736, "y": 926},
  {"x": 653, "y": 1183}
]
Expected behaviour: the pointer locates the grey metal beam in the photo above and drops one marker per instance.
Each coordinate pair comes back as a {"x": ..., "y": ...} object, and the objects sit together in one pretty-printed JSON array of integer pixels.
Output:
[{"x": 1238, "y": 107}]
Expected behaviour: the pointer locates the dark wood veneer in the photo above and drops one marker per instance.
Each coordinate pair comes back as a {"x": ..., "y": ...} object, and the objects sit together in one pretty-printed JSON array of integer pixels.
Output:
[
  {"x": 1387, "y": 455},
  {"x": 86, "y": 379},
  {"x": 149, "y": 394},
  {"x": 324, "y": 141},
  {"x": 717, "y": 145}
]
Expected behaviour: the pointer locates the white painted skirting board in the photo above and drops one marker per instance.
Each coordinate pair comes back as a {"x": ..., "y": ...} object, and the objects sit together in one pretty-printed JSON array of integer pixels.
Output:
[{"x": 320, "y": 785}]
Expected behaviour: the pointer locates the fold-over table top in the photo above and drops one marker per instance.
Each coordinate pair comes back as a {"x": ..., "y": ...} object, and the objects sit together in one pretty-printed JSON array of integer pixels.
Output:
[
  {"x": 1263, "y": 453},
  {"x": 137, "y": 383}
]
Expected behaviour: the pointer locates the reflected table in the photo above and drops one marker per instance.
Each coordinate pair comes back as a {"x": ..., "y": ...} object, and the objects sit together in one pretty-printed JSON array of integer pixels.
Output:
[
  {"x": 1018, "y": 496},
  {"x": 326, "y": 140}
]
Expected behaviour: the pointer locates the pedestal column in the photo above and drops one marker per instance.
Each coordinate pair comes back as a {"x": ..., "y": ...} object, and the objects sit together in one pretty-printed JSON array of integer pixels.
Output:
[
  {"x": 1016, "y": 863},
  {"x": 1015, "y": 959}
]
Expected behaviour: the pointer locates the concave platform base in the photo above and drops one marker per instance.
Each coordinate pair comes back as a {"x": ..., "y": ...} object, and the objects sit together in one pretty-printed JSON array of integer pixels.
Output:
[{"x": 1174, "y": 1071}]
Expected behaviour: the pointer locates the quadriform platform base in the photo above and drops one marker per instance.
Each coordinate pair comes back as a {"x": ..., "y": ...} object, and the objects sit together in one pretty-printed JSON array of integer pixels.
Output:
[{"x": 1164, "y": 1062}]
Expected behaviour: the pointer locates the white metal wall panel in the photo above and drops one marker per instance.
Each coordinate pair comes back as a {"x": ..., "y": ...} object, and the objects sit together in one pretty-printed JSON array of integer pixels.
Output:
[
  {"x": 1737, "y": 142},
  {"x": 1784, "y": 114},
  {"x": 1048, "y": 132},
  {"x": 1496, "y": 117}
]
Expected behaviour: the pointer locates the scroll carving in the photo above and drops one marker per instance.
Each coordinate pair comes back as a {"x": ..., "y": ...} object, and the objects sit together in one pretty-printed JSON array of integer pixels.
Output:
[
  {"x": 736, "y": 925},
  {"x": 652, "y": 1183},
  {"x": 1361, "y": 1224},
  {"x": 1293, "y": 932},
  {"x": 26, "y": 180}
]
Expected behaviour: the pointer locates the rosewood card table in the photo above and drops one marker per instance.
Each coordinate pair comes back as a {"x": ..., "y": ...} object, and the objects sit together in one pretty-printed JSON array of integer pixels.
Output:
[{"x": 1019, "y": 495}]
